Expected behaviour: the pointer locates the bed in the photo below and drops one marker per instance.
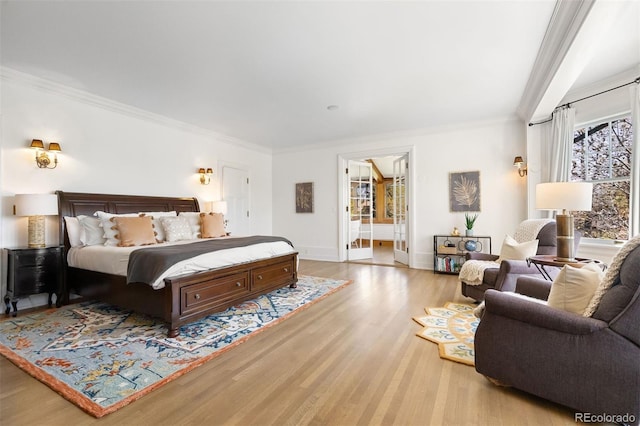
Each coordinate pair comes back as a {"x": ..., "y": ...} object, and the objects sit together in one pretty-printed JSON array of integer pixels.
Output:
[{"x": 182, "y": 298}]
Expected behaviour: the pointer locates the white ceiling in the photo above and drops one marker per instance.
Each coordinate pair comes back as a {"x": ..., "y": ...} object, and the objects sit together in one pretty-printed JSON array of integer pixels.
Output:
[{"x": 265, "y": 72}]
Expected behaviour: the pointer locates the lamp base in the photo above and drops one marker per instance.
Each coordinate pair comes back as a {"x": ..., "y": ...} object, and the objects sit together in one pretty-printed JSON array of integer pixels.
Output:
[
  {"x": 36, "y": 232},
  {"x": 565, "y": 238}
]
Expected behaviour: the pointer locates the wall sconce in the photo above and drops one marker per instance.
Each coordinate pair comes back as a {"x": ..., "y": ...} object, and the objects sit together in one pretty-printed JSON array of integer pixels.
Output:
[
  {"x": 205, "y": 175},
  {"x": 522, "y": 167},
  {"x": 42, "y": 157}
]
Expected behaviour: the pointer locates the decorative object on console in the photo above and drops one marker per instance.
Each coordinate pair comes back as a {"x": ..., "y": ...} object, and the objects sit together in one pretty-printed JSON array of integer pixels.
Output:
[
  {"x": 469, "y": 221},
  {"x": 205, "y": 175},
  {"x": 568, "y": 196},
  {"x": 520, "y": 164},
  {"x": 36, "y": 206},
  {"x": 472, "y": 245},
  {"x": 42, "y": 157}
]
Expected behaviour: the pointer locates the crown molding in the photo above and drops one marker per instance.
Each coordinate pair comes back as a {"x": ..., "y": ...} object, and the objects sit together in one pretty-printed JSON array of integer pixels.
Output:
[
  {"x": 402, "y": 134},
  {"x": 602, "y": 85},
  {"x": 565, "y": 24},
  {"x": 19, "y": 77}
]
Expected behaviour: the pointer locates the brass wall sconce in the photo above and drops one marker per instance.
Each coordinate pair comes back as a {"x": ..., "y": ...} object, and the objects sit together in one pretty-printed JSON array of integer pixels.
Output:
[
  {"x": 522, "y": 167},
  {"x": 205, "y": 175},
  {"x": 43, "y": 160}
]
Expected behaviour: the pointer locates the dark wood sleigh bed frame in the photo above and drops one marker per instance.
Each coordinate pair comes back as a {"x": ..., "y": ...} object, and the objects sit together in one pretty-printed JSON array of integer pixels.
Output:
[{"x": 183, "y": 299}]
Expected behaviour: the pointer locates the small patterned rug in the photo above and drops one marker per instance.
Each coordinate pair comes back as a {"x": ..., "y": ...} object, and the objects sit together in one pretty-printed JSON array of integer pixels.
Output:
[
  {"x": 102, "y": 358},
  {"x": 453, "y": 328}
]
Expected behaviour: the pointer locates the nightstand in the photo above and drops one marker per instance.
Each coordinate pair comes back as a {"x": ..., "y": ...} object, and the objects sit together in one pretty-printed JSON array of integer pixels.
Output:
[{"x": 33, "y": 271}]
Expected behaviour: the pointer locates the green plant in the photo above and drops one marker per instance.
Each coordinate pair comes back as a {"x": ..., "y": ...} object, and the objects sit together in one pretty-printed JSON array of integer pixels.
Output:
[{"x": 470, "y": 219}]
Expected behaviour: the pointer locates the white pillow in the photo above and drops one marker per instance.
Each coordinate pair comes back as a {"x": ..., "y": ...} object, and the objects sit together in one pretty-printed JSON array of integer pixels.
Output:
[
  {"x": 107, "y": 226},
  {"x": 157, "y": 226},
  {"x": 512, "y": 250},
  {"x": 92, "y": 233},
  {"x": 176, "y": 228},
  {"x": 74, "y": 231},
  {"x": 573, "y": 288},
  {"x": 194, "y": 222}
]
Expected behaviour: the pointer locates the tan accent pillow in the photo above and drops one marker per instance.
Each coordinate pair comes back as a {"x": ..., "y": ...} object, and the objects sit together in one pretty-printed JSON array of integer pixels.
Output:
[
  {"x": 573, "y": 288},
  {"x": 212, "y": 225},
  {"x": 512, "y": 250},
  {"x": 134, "y": 231},
  {"x": 108, "y": 230}
]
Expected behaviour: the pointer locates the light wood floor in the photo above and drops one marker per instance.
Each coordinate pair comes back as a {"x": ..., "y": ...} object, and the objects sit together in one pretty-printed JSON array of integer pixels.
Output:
[{"x": 351, "y": 359}]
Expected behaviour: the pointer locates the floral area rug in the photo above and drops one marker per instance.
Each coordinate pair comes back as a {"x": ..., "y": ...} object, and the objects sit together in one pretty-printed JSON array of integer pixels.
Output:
[
  {"x": 453, "y": 328},
  {"x": 102, "y": 358}
]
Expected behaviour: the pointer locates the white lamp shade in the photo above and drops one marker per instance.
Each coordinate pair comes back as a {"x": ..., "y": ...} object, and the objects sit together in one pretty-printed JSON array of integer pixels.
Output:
[
  {"x": 36, "y": 204},
  {"x": 219, "y": 207},
  {"x": 572, "y": 196}
]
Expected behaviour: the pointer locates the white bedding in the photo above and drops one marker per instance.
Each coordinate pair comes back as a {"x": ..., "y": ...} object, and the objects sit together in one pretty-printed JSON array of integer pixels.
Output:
[{"x": 114, "y": 260}]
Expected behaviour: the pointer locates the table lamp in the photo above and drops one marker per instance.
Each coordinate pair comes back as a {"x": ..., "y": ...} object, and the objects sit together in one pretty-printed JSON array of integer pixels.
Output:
[
  {"x": 568, "y": 196},
  {"x": 219, "y": 207},
  {"x": 36, "y": 206}
]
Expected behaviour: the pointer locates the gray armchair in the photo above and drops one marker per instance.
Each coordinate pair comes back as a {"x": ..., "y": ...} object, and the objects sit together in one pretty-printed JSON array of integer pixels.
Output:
[
  {"x": 504, "y": 278},
  {"x": 590, "y": 364}
]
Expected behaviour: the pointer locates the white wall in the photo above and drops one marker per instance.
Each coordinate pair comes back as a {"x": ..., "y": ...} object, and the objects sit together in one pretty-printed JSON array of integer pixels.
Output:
[
  {"x": 110, "y": 148},
  {"x": 487, "y": 147}
]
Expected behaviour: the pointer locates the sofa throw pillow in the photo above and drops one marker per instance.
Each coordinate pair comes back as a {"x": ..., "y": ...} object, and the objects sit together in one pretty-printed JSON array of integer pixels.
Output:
[
  {"x": 108, "y": 227},
  {"x": 512, "y": 250},
  {"x": 134, "y": 231},
  {"x": 573, "y": 287},
  {"x": 212, "y": 225},
  {"x": 176, "y": 228}
]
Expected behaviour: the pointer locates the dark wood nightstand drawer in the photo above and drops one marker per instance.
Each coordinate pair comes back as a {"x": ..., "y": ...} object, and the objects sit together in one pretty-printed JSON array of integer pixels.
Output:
[{"x": 35, "y": 259}]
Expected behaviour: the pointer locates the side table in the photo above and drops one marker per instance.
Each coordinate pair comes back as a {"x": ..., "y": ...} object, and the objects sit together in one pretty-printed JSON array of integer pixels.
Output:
[
  {"x": 33, "y": 271},
  {"x": 541, "y": 261}
]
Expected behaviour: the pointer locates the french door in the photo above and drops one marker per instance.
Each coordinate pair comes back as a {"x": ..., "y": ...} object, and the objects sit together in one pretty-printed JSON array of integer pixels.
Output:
[
  {"x": 360, "y": 209},
  {"x": 400, "y": 209}
]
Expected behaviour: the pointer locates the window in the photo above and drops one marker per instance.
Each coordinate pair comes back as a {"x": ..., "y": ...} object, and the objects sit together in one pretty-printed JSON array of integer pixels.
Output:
[{"x": 602, "y": 155}]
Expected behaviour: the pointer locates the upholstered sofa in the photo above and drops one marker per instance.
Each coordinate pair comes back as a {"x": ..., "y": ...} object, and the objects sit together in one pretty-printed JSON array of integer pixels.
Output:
[
  {"x": 504, "y": 278},
  {"x": 590, "y": 364}
]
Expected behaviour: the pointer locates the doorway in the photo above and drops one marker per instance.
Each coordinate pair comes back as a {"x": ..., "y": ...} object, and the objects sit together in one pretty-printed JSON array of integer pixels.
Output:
[{"x": 380, "y": 204}]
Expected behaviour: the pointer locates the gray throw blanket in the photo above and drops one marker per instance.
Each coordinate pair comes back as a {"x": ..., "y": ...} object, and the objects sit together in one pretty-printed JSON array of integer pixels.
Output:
[{"x": 147, "y": 264}]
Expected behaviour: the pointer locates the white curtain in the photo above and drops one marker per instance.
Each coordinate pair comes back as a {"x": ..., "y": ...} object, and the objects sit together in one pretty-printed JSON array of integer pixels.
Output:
[
  {"x": 634, "y": 196},
  {"x": 561, "y": 145}
]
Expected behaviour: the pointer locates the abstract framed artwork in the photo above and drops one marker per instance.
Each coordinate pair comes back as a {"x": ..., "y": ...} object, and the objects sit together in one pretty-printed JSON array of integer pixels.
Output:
[
  {"x": 304, "y": 197},
  {"x": 464, "y": 191}
]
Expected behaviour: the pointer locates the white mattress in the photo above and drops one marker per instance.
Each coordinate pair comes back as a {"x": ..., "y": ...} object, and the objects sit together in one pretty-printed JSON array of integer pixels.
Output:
[{"x": 114, "y": 260}]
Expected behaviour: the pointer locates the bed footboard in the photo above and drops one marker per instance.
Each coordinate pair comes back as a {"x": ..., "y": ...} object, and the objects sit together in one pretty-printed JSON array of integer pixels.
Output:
[{"x": 198, "y": 295}]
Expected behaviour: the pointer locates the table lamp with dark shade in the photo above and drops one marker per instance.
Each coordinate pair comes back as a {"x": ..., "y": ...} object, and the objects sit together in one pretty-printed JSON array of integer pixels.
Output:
[
  {"x": 36, "y": 206},
  {"x": 568, "y": 197}
]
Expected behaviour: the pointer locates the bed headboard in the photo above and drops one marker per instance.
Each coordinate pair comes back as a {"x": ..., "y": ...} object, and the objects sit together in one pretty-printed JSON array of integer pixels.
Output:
[{"x": 80, "y": 203}]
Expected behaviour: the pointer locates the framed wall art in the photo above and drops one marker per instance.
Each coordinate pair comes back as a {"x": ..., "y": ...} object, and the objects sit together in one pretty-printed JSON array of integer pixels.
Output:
[
  {"x": 464, "y": 191},
  {"x": 304, "y": 197}
]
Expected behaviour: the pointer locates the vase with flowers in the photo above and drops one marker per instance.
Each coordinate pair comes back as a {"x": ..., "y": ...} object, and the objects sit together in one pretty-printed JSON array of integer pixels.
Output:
[{"x": 470, "y": 220}]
